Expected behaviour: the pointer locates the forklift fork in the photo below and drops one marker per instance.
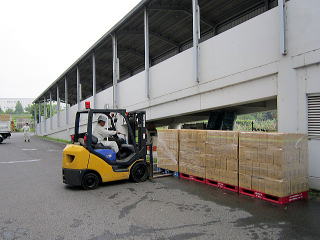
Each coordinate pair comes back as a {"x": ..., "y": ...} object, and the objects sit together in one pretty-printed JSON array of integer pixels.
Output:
[{"x": 152, "y": 173}]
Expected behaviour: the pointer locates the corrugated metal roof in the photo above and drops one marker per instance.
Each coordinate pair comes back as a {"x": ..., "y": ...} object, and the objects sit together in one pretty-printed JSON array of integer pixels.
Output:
[{"x": 170, "y": 26}]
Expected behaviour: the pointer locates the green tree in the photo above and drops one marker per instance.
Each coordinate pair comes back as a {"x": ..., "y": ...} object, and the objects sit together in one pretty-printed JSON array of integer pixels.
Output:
[
  {"x": 19, "y": 108},
  {"x": 35, "y": 108},
  {"x": 9, "y": 111},
  {"x": 29, "y": 108},
  {"x": 1, "y": 111}
]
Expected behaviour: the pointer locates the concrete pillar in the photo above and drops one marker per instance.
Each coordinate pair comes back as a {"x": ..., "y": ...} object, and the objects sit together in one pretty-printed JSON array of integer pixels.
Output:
[
  {"x": 39, "y": 106},
  {"x": 35, "y": 119},
  {"x": 288, "y": 102},
  {"x": 51, "y": 111},
  {"x": 45, "y": 115},
  {"x": 78, "y": 88},
  {"x": 196, "y": 37},
  {"x": 282, "y": 25},
  {"x": 66, "y": 99},
  {"x": 147, "y": 53},
  {"x": 116, "y": 71},
  {"x": 288, "y": 85},
  {"x": 58, "y": 107},
  {"x": 94, "y": 81}
]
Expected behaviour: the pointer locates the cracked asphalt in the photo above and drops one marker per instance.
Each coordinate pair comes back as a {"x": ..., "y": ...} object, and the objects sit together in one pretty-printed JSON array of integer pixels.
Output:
[{"x": 35, "y": 204}]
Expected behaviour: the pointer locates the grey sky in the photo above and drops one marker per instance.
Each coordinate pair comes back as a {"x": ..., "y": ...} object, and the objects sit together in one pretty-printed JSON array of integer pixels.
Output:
[{"x": 39, "y": 39}]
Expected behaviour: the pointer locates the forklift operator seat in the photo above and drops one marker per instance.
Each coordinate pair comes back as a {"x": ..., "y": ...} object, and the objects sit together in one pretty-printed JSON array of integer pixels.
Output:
[
  {"x": 125, "y": 150},
  {"x": 97, "y": 145}
]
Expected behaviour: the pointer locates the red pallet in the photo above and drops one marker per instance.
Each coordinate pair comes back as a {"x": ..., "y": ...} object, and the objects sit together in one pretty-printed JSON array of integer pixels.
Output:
[
  {"x": 192, "y": 178},
  {"x": 222, "y": 185},
  {"x": 271, "y": 198}
]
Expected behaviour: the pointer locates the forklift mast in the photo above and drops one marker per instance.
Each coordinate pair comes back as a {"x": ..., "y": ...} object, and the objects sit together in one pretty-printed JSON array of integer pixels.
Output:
[{"x": 137, "y": 121}]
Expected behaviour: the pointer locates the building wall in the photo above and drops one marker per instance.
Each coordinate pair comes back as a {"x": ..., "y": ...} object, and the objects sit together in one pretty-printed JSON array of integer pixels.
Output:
[
  {"x": 299, "y": 75},
  {"x": 241, "y": 65}
]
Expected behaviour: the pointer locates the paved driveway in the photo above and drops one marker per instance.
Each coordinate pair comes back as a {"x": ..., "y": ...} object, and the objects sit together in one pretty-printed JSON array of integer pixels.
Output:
[{"x": 35, "y": 204}]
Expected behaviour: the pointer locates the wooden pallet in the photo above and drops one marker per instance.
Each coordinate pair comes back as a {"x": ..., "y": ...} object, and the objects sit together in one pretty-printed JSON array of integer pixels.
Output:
[
  {"x": 273, "y": 199},
  {"x": 192, "y": 178},
  {"x": 222, "y": 185}
]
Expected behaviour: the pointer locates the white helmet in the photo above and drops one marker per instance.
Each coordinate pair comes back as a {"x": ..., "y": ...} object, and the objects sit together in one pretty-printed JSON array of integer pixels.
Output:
[{"x": 102, "y": 118}]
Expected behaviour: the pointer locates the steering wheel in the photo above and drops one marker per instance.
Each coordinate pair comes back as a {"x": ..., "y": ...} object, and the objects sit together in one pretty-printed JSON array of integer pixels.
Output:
[{"x": 119, "y": 140}]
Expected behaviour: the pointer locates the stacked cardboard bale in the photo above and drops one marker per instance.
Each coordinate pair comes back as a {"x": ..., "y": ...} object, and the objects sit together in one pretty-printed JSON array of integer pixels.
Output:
[
  {"x": 273, "y": 163},
  {"x": 222, "y": 156},
  {"x": 4, "y": 117},
  {"x": 192, "y": 154},
  {"x": 168, "y": 149}
]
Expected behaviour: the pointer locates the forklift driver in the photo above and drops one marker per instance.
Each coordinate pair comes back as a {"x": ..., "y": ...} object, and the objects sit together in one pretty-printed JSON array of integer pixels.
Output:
[{"x": 102, "y": 134}]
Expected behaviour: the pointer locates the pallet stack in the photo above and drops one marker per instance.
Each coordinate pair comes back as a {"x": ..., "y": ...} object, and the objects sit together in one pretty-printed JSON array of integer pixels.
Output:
[
  {"x": 270, "y": 166},
  {"x": 222, "y": 158},
  {"x": 5, "y": 117},
  {"x": 168, "y": 150},
  {"x": 192, "y": 155},
  {"x": 273, "y": 163}
]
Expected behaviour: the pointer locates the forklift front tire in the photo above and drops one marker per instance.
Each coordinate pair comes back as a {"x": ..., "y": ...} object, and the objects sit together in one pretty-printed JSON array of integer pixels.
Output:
[
  {"x": 139, "y": 172},
  {"x": 90, "y": 181}
]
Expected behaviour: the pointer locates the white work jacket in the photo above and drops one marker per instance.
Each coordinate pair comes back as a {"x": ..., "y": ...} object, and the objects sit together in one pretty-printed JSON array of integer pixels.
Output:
[{"x": 102, "y": 133}]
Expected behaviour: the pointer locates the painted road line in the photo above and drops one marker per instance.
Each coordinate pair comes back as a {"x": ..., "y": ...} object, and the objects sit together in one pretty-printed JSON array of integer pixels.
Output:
[
  {"x": 29, "y": 149},
  {"x": 23, "y": 161}
]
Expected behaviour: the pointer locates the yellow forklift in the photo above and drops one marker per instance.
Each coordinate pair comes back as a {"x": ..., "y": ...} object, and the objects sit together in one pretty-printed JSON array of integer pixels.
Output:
[{"x": 87, "y": 163}]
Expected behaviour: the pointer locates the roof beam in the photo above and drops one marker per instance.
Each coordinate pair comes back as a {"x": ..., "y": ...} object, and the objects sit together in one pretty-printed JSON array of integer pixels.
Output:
[
  {"x": 164, "y": 38},
  {"x": 182, "y": 9},
  {"x": 267, "y": 4},
  {"x": 153, "y": 33},
  {"x": 239, "y": 14},
  {"x": 131, "y": 50},
  {"x": 128, "y": 69}
]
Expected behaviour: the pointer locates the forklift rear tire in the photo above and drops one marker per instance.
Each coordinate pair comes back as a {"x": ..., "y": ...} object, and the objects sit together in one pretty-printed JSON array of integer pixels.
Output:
[
  {"x": 139, "y": 172},
  {"x": 90, "y": 181}
]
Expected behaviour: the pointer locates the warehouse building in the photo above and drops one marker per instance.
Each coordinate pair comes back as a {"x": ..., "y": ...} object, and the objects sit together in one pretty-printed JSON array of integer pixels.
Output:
[{"x": 180, "y": 60}]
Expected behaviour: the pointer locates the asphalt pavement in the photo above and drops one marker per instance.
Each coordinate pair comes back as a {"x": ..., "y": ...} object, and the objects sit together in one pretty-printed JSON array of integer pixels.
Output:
[{"x": 35, "y": 204}]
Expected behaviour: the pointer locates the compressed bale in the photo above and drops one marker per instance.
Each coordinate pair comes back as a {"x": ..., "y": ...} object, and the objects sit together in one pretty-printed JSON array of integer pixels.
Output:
[
  {"x": 249, "y": 140},
  {"x": 249, "y": 170},
  {"x": 263, "y": 170},
  {"x": 222, "y": 156},
  {"x": 232, "y": 165},
  {"x": 279, "y": 162},
  {"x": 192, "y": 155},
  {"x": 193, "y": 170},
  {"x": 299, "y": 185},
  {"x": 255, "y": 169},
  {"x": 168, "y": 149},
  {"x": 258, "y": 184},
  {"x": 262, "y": 154},
  {"x": 223, "y": 175},
  {"x": 245, "y": 181},
  {"x": 213, "y": 174},
  {"x": 224, "y": 164},
  {"x": 279, "y": 188},
  {"x": 5, "y": 117},
  {"x": 232, "y": 178},
  {"x": 255, "y": 183}
]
